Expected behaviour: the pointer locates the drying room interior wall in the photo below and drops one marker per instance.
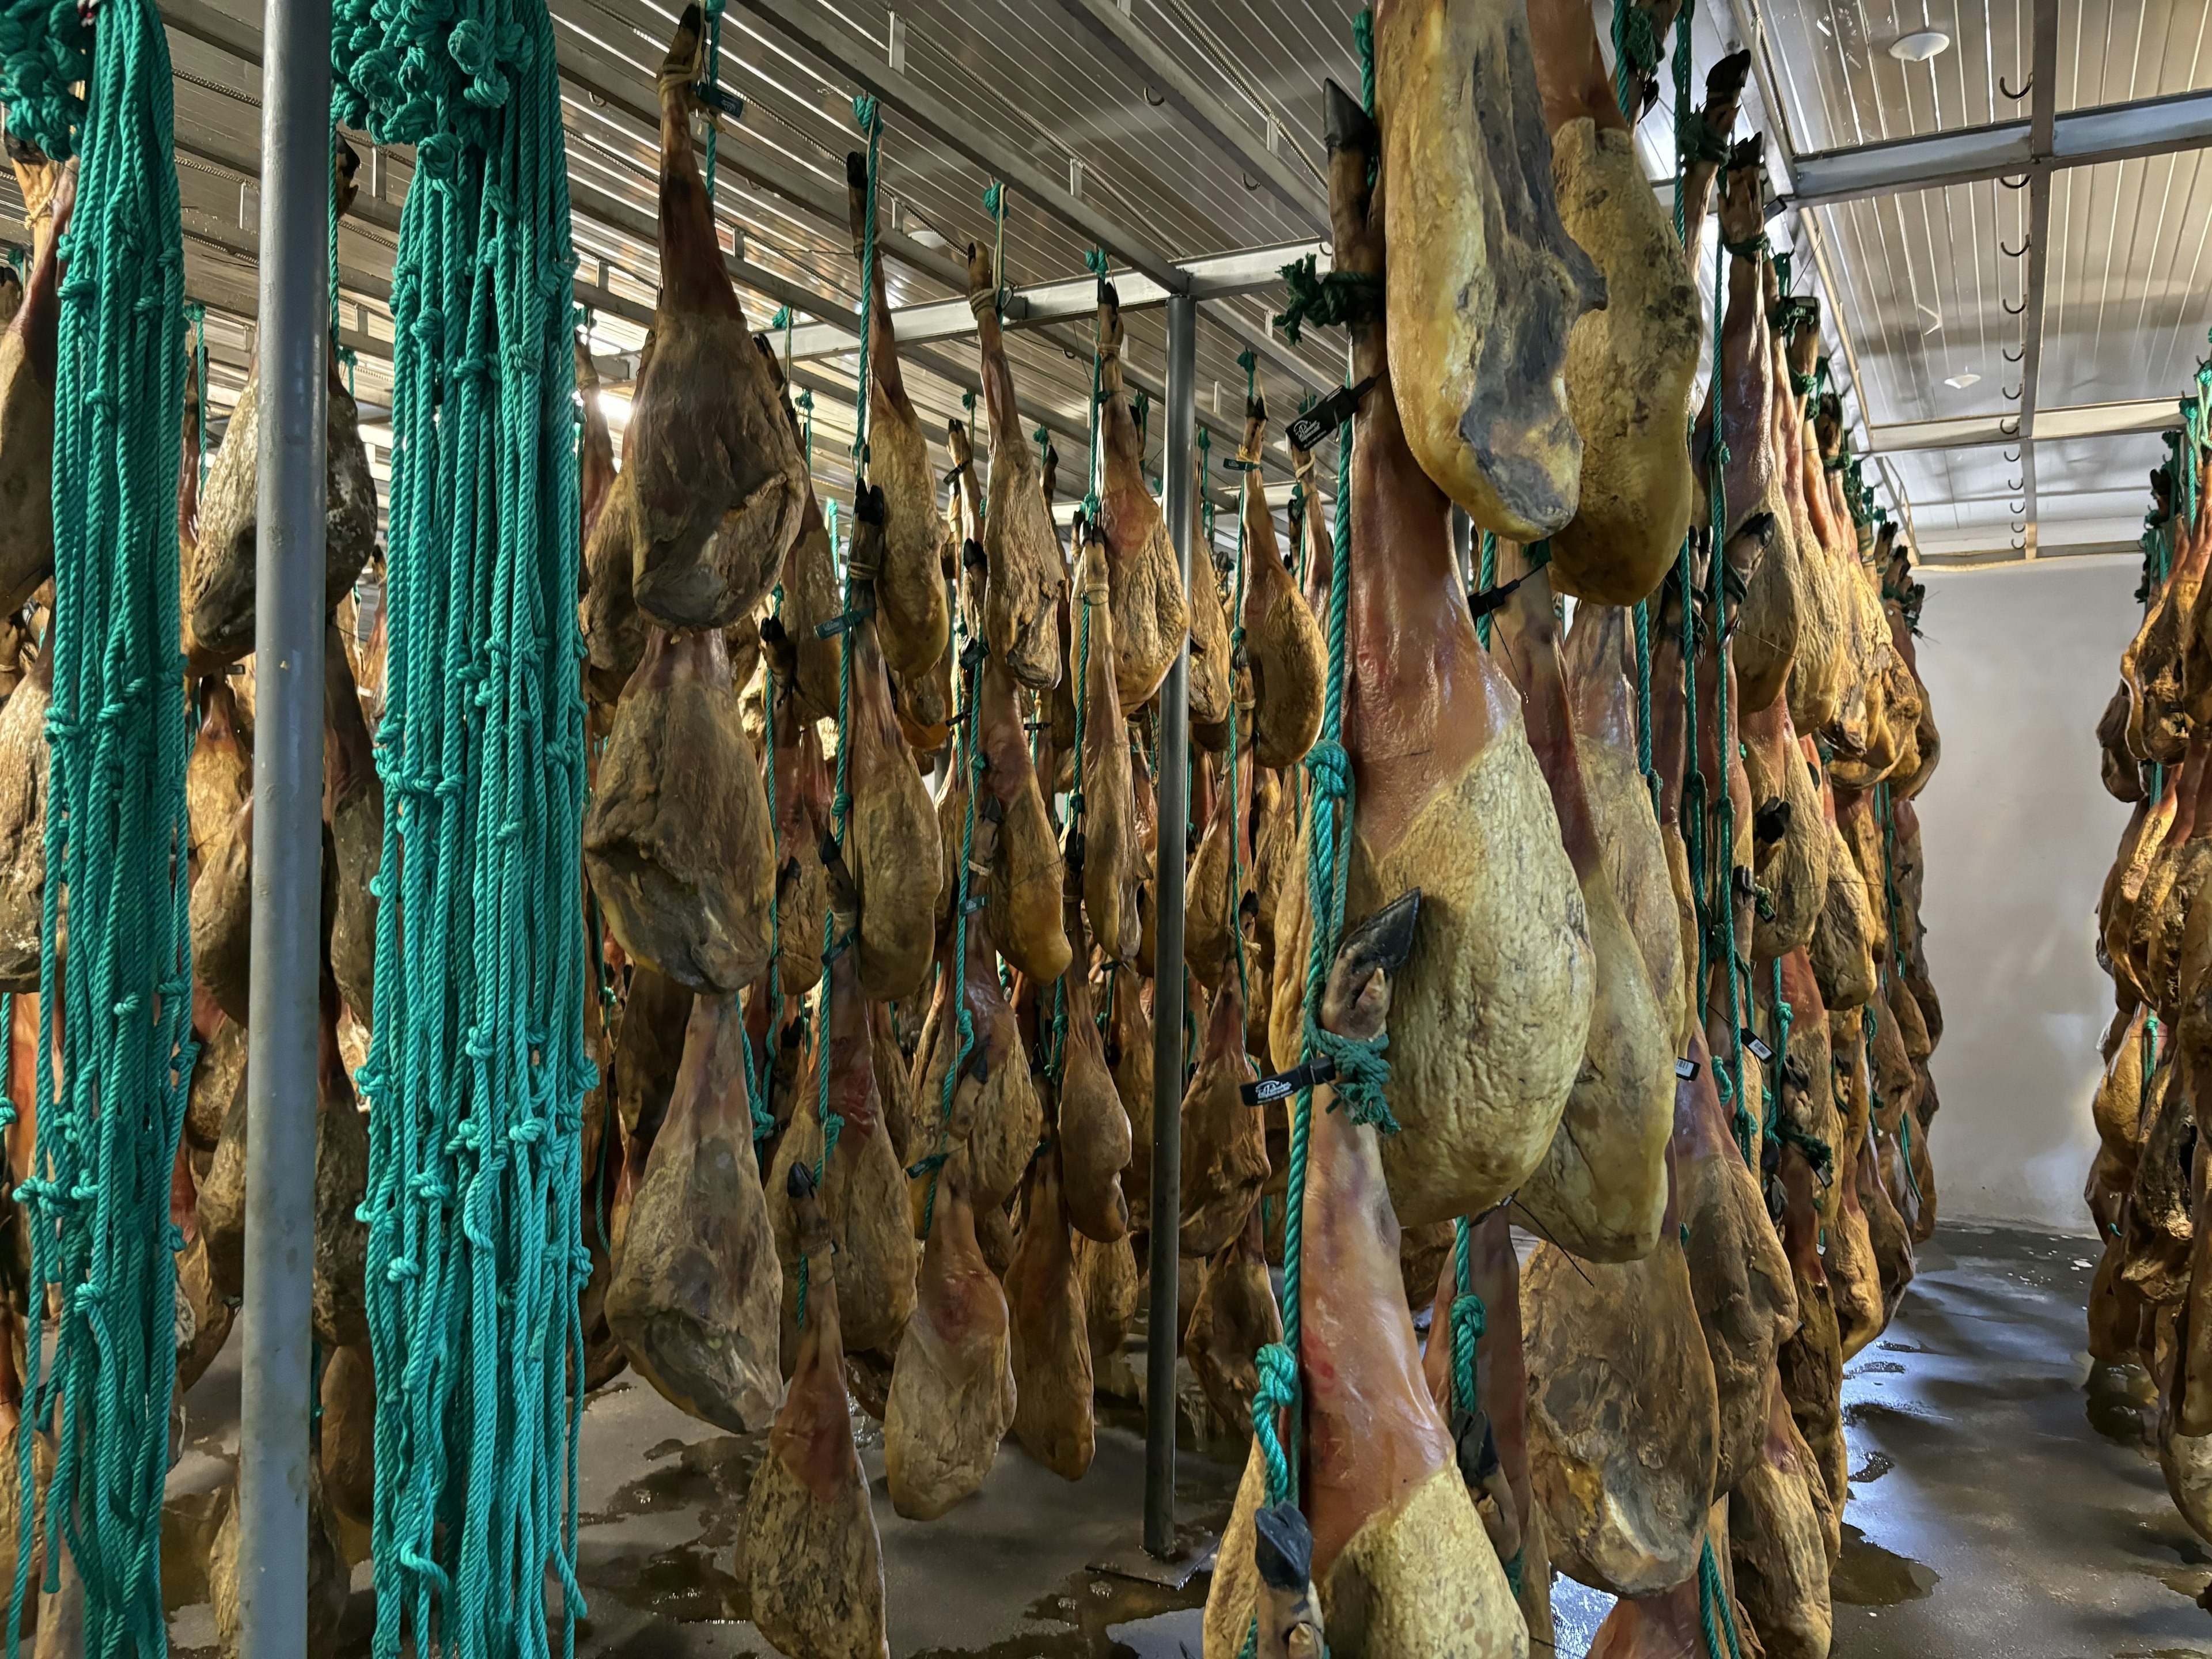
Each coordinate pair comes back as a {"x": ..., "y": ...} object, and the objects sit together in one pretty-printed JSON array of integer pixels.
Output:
[{"x": 2018, "y": 832}]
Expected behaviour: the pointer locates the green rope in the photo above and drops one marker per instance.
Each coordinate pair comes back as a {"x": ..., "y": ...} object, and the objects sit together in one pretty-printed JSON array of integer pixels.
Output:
[
  {"x": 477, "y": 1067},
  {"x": 1715, "y": 1617},
  {"x": 196, "y": 316},
  {"x": 971, "y": 749},
  {"x": 1486, "y": 579},
  {"x": 869, "y": 120},
  {"x": 1341, "y": 298},
  {"x": 1689, "y": 124},
  {"x": 1469, "y": 1320},
  {"x": 995, "y": 204},
  {"x": 1640, "y": 615},
  {"x": 101, "y": 1347},
  {"x": 1635, "y": 52},
  {"x": 714, "y": 79}
]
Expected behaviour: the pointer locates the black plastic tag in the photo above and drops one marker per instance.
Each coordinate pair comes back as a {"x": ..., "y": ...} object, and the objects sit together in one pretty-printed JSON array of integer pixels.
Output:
[
  {"x": 1686, "y": 1069},
  {"x": 1324, "y": 417},
  {"x": 720, "y": 98},
  {"x": 1320, "y": 1069},
  {"x": 1759, "y": 1051}
]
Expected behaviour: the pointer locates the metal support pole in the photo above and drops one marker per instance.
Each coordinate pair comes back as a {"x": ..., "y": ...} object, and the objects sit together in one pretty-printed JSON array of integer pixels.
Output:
[
  {"x": 288, "y": 828},
  {"x": 1164, "y": 1316}
]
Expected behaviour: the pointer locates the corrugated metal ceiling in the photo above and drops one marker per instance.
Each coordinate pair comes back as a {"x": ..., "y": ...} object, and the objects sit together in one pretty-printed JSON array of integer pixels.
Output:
[{"x": 1924, "y": 279}]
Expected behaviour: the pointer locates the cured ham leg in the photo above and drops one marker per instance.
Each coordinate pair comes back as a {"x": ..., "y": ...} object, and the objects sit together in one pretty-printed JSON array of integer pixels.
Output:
[
  {"x": 863, "y": 1197},
  {"x": 1485, "y": 283},
  {"x": 1789, "y": 838},
  {"x": 721, "y": 483},
  {"x": 1746, "y": 389},
  {"x": 1290, "y": 657},
  {"x": 1113, "y": 863},
  {"x": 1853, "y": 1276},
  {"x": 353, "y": 806},
  {"x": 23, "y": 783},
  {"x": 218, "y": 596},
  {"x": 1093, "y": 1131},
  {"x": 952, "y": 1385},
  {"x": 677, "y": 841},
  {"x": 1624, "y": 1415},
  {"x": 1027, "y": 874},
  {"x": 890, "y": 838},
  {"x": 29, "y": 358},
  {"x": 1746, "y": 1300},
  {"x": 810, "y": 1555},
  {"x": 1716, "y": 127},
  {"x": 1152, "y": 615},
  {"x": 1630, "y": 363},
  {"x": 694, "y": 1296},
  {"x": 1235, "y": 1317},
  {"x": 1051, "y": 1335},
  {"x": 1025, "y": 574},
  {"x": 1779, "y": 1518},
  {"x": 1811, "y": 1360},
  {"x": 1502, "y": 1397},
  {"x": 917, "y": 623},
  {"x": 1495, "y": 1003},
  {"x": 1224, "y": 1147},
  {"x": 995, "y": 1112},
  {"x": 1401, "y": 1556},
  {"x": 1600, "y": 1190}
]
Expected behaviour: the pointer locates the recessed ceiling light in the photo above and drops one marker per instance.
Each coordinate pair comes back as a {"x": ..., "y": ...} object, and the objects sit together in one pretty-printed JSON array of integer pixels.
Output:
[
  {"x": 1961, "y": 380},
  {"x": 1919, "y": 48},
  {"x": 928, "y": 235}
]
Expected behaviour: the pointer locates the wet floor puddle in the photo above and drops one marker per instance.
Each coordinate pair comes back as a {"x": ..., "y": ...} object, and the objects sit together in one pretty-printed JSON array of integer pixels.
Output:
[{"x": 1869, "y": 1576}]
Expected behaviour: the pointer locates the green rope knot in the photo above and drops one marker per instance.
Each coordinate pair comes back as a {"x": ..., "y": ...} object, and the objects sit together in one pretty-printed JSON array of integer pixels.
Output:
[
  {"x": 1362, "y": 1074},
  {"x": 1278, "y": 1389},
  {"x": 1638, "y": 41},
  {"x": 1342, "y": 297}
]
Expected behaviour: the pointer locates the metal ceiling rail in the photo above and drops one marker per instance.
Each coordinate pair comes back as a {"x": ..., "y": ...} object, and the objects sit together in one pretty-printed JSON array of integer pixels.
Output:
[
  {"x": 1213, "y": 277},
  {"x": 2077, "y": 138},
  {"x": 2051, "y": 425},
  {"x": 862, "y": 62},
  {"x": 1120, "y": 33}
]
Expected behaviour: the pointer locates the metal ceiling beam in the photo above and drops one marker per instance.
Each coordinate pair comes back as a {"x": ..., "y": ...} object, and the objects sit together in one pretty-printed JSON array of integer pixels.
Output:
[
  {"x": 1213, "y": 277},
  {"x": 1137, "y": 48},
  {"x": 809, "y": 24},
  {"x": 2077, "y": 138},
  {"x": 2051, "y": 425}
]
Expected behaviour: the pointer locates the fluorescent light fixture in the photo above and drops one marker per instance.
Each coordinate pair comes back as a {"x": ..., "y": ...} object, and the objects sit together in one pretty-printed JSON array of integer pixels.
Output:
[
  {"x": 1918, "y": 48},
  {"x": 1962, "y": 380}
]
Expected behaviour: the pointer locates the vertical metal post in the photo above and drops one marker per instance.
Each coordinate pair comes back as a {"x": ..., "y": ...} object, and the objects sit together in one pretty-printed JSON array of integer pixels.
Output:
[
  {"x": 293, "y": 342},
  {"x": 1164, "y": 1315}
]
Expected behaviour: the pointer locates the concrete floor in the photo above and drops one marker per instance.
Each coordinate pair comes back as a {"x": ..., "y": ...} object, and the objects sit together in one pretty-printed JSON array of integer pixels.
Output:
[{"x": 1989, "y": 1515}]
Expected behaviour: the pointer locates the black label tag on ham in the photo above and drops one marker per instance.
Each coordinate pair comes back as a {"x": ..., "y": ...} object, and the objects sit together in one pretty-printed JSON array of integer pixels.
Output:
[
  {"x": 1759, "y": 1051},
  {"x": 1320, "y": 1069},
  {"x": 1686, "y": 1069},
  {"x": 1324, "y": 417},
  {"x": 720, "y": 99}
]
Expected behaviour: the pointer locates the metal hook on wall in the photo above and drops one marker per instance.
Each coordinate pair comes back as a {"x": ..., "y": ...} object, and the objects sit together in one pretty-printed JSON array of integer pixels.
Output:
[
  {"x": 2018, "y": 183},
  {"x": 2014, "y": 311},
  {"x": 2011, "y": 456},
  {"x": 2012, "y": 356},
  {"x": 2027, "y": 88},
  {"x": 2020, "y": 507},
  {"x": 2017, "y": 483},
  {"x": 2013, "y": 395},
  {"x": 2014, "y": 253},
  {"x": 2011, "y": 430}
]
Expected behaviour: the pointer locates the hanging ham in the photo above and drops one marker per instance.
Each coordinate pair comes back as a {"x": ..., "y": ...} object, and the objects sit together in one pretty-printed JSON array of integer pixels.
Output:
[
  {"x": 863, "y": 1195},
  {"x": 952, "y": 1387},
  {"x": 810, "y": 1556},
  {"x": 353, "y": 805},
  {"x": 915, "y": 622},
  {"x": 1152, "y": 616},
  {"x": 1025, "y": 573},
  {"x": 721, "y": 484},
  {"x": 890, "y": 838},
  {"x": 1601, "y": 1188},
  {"x": 1401, "y": 1556},
  {"x": 1630, "y": 363},
  {"x": 1494, "y": 1006},
  {"x": 694, "y": 1296},
  {"x": 1282, "y": 636},
  {"x": 1051, "y": 1348},
  {"x": 1233, "y": 1318},
  {"x": 23, "y": 777},
  {"x": 1485, "y": 283},
  {"x": 218, "y": 596},
  {"x": 29, "y": 358},
  {"x": 994, "y": 1099},
  {"x": 678, "y": 842},
  {"x": 1112, "y": 861}
]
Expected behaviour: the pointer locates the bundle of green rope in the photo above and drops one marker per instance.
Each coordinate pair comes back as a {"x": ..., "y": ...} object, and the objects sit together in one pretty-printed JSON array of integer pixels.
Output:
[
  {"x": 99, "y": 1377},
  {"x": 477, "y": 1067}
]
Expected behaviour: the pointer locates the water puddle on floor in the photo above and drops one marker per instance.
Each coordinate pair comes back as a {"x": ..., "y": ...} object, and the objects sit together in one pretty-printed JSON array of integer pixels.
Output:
[{"x": 1869, "y": 1576}]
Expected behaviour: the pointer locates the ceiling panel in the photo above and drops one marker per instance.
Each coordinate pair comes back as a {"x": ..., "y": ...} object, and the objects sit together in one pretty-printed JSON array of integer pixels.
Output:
[
  {"x": 2113, "y": 52},
  {"x": 2132, "y": 255},
  {"x": 1840, "y": 86}
]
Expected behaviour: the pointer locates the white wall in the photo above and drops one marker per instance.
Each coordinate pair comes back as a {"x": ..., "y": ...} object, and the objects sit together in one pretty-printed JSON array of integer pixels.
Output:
[{"x": 2018, "y": 832}]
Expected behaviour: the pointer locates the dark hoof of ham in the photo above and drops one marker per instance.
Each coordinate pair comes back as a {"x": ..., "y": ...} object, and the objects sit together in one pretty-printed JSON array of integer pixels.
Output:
[
  {"x": 1724, "y": 80},
  {"x": 1346, "y": 124},
  {"x": 1357, "y": 997}
]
